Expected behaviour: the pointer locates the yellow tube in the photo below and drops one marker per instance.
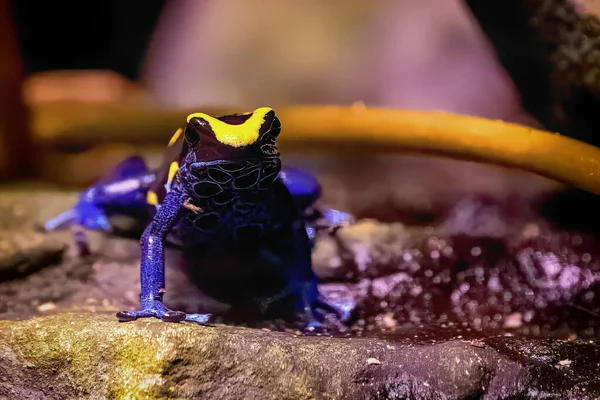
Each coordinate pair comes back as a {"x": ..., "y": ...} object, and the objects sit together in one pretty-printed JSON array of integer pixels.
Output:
[
  {"x": 334, "y": 129},
  {"x": 468, "y": 138}
]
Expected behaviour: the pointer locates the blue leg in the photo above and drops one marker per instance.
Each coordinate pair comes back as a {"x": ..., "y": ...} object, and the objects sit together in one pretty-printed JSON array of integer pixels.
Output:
[
  {"x": 305, "y": 191},
  {"x": 331, "y": 221},
  {"x": 122, "y": 192},
  {"x": 308, "y": 295},
  {"x": 336, "y": 219},
  {"x": 153, "y": 266},
  {"x": 303, "y": 187},
  {"x": 311, "y": 299},
  {"x": 85, "y": 213}
]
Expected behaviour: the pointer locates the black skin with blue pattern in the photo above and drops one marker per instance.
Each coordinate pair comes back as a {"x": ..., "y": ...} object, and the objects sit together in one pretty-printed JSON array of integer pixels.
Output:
[{"x": 232, "y": 210}]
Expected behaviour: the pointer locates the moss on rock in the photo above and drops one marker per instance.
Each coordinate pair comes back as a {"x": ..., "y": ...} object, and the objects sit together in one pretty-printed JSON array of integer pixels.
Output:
[{"x": 68, "y": 356}]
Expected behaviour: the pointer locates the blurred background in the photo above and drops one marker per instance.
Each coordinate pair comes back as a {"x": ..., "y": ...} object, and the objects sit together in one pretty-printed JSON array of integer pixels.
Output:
[{"x": 84, "y": 84}]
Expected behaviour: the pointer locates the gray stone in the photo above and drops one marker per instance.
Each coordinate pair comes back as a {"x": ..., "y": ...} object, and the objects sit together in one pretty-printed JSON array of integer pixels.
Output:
[
  {"x": 419, "y": 334},
  {"x": 73, "y": 356}
]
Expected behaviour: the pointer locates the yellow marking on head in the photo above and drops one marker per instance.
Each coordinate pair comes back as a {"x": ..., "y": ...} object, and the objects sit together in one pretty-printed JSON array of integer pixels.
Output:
[
  {"x": 152, "y": 198},
  {"x": 175, "y": 137},
  {"x": 173, "y": 168},
  {"x": 236, "y": 135}
]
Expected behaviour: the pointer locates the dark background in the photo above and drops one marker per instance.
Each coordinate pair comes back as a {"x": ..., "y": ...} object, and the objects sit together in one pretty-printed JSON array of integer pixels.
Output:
[{"x": 104, "y": 34}]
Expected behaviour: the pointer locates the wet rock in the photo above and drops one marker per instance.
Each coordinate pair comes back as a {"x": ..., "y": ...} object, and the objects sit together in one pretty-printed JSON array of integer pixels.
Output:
[
  {"x": 438, "y": 311},
  {"x": 93, "y": 356},
  {"x": 35, "y": 267},
  {"x": 23, "y": 248},
  {"x": 482, "y": 216},
  {"x": 327, "y": 263},
  {"x": 365, "y": 249},
  {"x": 22, "y": 253}
]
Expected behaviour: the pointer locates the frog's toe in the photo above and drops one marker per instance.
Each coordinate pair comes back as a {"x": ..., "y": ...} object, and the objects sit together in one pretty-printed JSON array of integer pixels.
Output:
[
  {"x": 198, "y": 318},
  {"x": 330, "y": 221},
  {"x": 336, "y": 219},
  {"x": 61, "y": 220},
  {"x": 126, "y": 316},
  {"x": 85, "y": 213},
  {"x": 172, "y": 316},
  {"x": 92, "y": 217},
  {"x": 314, "y": 326},
  {"x": 343, "y": 308}
]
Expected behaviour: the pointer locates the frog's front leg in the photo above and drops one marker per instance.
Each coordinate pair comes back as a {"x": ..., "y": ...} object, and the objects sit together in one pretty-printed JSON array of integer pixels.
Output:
[
  {"x": 153, "y": 265},
  {"x": 306, "y": 191}
]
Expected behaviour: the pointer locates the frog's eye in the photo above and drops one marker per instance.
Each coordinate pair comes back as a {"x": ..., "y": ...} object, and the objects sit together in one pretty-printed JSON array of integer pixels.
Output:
[
  {"x": 271, "y": 126},
  {"x": 193, "y": 131}
]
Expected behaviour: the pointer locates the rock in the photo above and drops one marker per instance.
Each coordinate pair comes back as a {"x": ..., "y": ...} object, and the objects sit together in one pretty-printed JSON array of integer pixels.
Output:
[
  {"x": 73, "y": 356},
  {"x": 22, "y": 253},
  {"x": 23, "y": 248},
  {"x": 367, "y": 248},
  {"x": 327, "y": 263},
  {"x": 482, "y": 216},
  {"x": 438, "y": 318}
]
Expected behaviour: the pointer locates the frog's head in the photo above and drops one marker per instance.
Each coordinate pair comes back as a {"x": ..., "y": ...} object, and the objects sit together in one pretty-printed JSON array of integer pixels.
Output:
[{"x": 234, "y": 137}]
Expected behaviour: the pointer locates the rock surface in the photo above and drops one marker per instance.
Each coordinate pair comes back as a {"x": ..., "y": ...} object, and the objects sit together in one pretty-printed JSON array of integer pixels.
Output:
[
  {"x": 442, "y": 315},
  {"x": 92, "y": 356}
]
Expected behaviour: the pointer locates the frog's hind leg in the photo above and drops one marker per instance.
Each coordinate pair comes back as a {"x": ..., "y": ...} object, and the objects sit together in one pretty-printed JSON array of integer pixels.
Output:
[
  {"x": 312, "y": 300},
  {"x": 309, "y": 294},
  {"x": 123, "y": 191},
  {"x": 296, "y": 299}
]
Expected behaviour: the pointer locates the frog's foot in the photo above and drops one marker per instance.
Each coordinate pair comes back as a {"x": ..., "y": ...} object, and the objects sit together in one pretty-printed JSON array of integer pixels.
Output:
[
  {"x": 311, "y": 322},
  {"x": 308, "y": 294},
  {"x": 85, "y": 213},
  {"x": 157, "y": 309},
  {"x": 343, "y": 309},
  {"x": 61, "y": 220},
  {"x": 167, "y": 316},
  {"x": 313, "y": 326},
  {"x": 337, "y": 219},
  {"x": 198, "y": 318},
  {"x": 330, "y": 220}
]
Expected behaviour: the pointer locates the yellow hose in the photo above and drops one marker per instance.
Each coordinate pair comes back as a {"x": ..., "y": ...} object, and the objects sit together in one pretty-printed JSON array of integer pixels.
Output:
[
  {"x": 468, "y": 138},
  {"x": 358, "y": 129}
]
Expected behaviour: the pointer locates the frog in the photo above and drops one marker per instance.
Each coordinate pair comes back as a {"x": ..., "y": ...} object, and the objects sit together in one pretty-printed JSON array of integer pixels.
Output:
[{"x": 220, "y": 193}]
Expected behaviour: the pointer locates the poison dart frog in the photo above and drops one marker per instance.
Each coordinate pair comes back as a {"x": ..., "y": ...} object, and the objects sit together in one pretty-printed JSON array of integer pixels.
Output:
[{"x": 221, "y": 193}]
